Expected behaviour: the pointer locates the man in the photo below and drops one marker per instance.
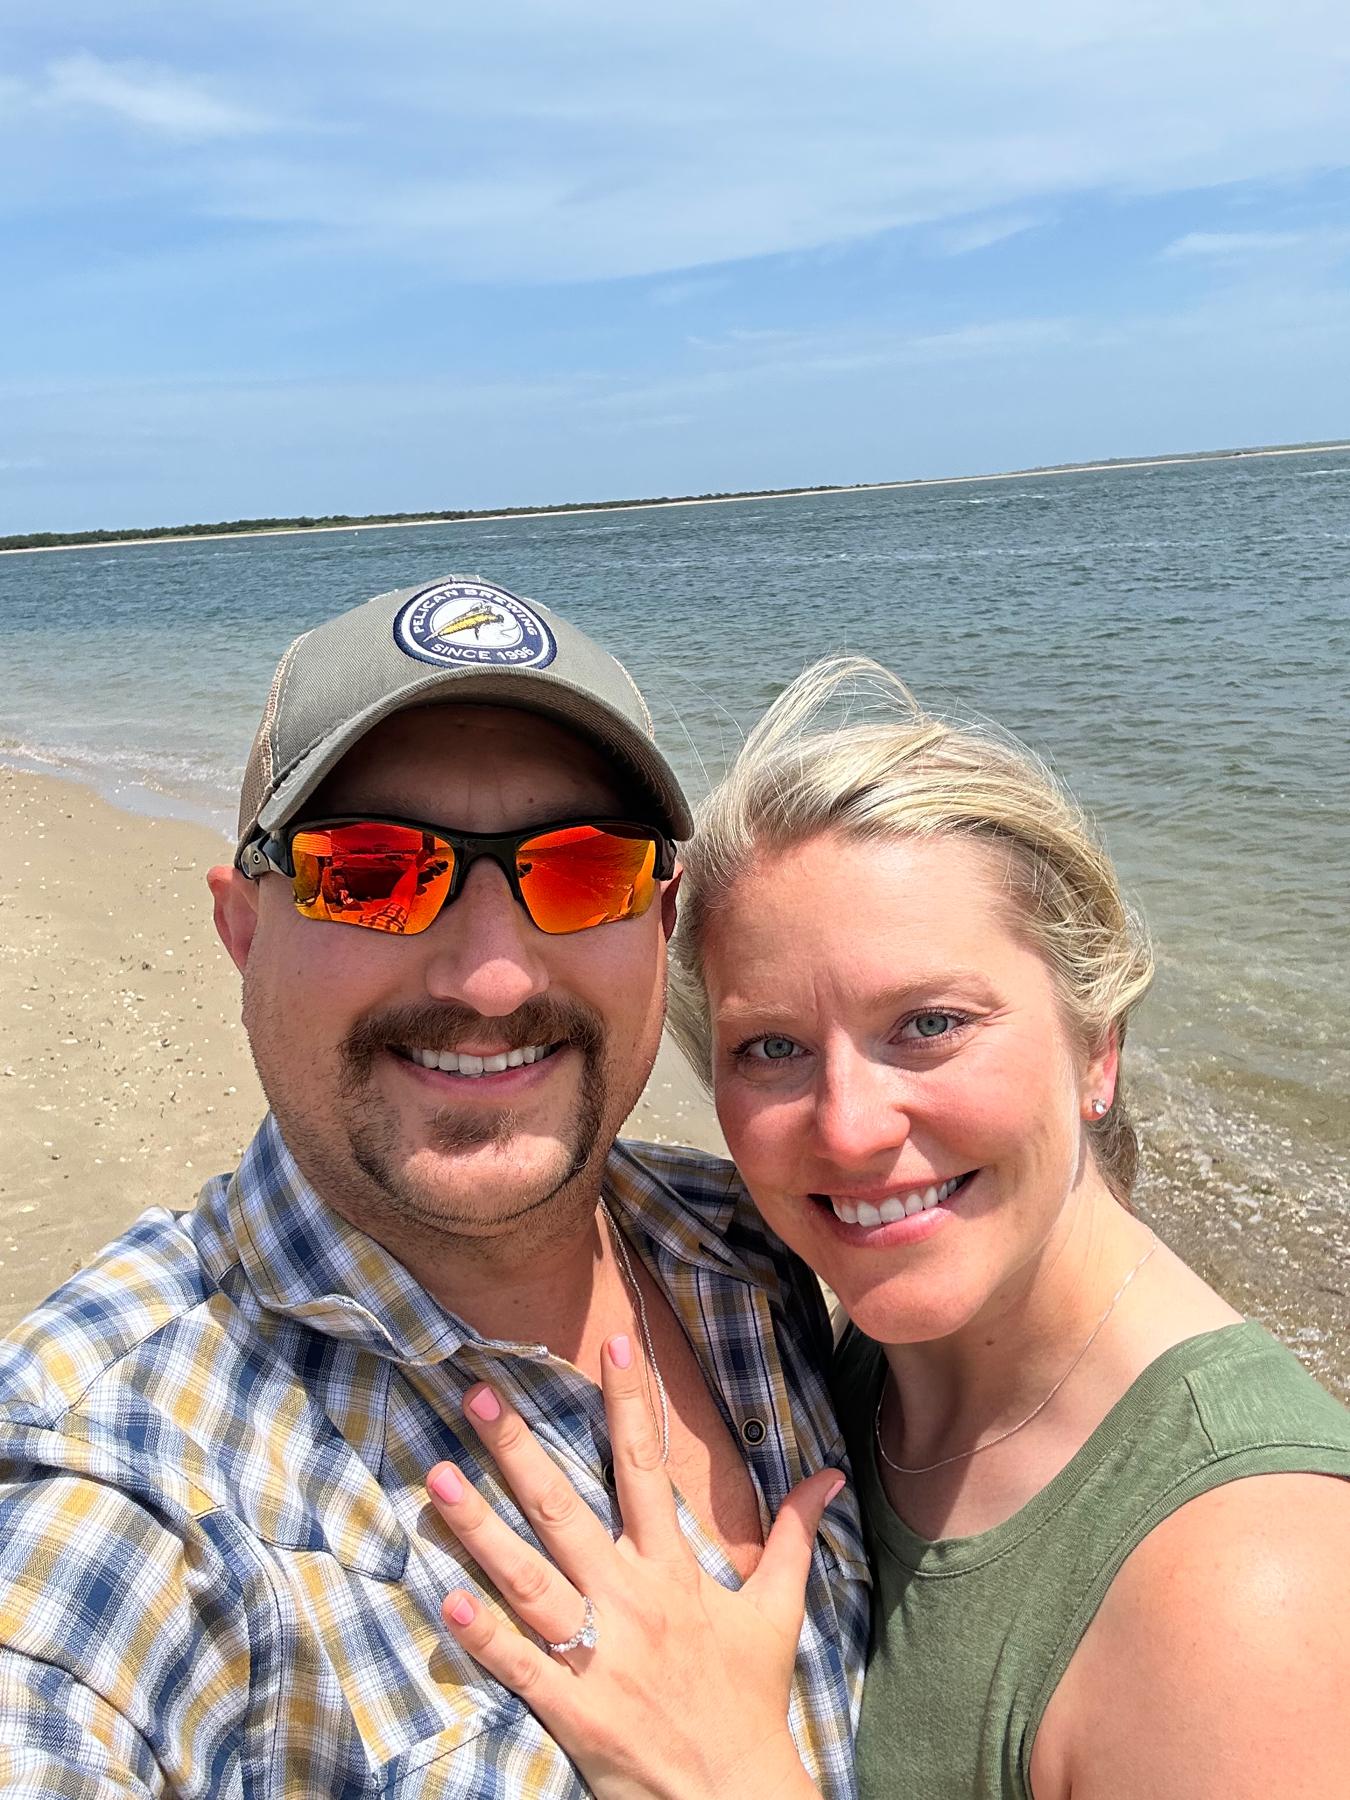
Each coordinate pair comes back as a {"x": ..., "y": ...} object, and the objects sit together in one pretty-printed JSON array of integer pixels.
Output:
[{"x": 449, "y": 904}]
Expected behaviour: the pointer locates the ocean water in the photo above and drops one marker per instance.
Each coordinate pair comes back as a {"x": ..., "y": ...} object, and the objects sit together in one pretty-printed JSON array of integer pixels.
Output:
[{"x": 1175, "y": 640}]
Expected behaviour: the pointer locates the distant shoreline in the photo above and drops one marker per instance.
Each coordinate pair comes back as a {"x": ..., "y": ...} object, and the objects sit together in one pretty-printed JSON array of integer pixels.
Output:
[{"x": 375, "y": 523}]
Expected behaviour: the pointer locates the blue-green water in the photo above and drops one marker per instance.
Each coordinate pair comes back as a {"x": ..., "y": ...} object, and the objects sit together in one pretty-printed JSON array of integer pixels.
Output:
[{"x": 1176, "y": 640}]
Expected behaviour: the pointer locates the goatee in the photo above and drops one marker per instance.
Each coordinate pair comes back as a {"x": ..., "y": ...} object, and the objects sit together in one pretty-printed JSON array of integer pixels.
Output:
[{"x": 546, "y": 1020}]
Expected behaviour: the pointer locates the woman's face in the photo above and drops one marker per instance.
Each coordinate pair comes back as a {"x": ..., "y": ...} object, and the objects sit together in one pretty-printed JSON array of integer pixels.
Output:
[{"x": 894, "y": 1078}]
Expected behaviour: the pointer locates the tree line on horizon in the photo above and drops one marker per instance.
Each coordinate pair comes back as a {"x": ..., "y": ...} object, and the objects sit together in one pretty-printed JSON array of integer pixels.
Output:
[
  {"x": 40, "y": 540},
  {"x": 45, "y": 540}
]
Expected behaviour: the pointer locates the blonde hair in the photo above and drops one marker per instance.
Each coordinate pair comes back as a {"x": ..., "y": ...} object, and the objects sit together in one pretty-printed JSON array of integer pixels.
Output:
[{"x": 898, "y": 771}]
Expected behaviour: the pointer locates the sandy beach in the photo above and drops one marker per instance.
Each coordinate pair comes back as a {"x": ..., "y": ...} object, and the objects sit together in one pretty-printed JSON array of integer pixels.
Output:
[{"x": 125, "y": 1078}]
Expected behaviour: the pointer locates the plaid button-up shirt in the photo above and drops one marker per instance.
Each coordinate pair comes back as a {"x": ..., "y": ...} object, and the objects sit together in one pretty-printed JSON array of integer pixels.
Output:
[{"x": 219, "y": 1575}]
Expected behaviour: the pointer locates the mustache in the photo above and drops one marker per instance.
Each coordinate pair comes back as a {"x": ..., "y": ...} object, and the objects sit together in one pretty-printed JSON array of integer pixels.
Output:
[{"x": 546, "y": 1019}]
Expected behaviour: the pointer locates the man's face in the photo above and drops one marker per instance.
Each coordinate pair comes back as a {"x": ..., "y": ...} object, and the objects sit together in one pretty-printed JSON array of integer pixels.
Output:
[{"x": 341, "y": 1018}]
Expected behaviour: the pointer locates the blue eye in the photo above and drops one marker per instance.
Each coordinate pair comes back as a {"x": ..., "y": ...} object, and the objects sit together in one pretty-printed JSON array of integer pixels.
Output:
[
  {"x": 926, "y": 1026},
  {"x": 761, "y": 1050}
]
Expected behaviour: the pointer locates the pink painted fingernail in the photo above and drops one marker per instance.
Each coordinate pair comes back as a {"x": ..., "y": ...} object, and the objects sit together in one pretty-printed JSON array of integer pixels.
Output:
[
  {"x": 446, "y": 1485},
  {"x": 485, "y": 1405},
  {"x": 621, "y": 1351},
  {"x": 462, "y": 1611}
]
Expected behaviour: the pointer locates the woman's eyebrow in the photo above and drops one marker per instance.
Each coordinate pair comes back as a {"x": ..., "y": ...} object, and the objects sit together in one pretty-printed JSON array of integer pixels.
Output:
[{"x": 926, "y": 984}]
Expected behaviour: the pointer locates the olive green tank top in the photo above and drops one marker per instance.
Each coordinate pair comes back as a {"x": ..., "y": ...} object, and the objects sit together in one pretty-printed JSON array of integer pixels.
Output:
[{"x": 970, "y": 1636}]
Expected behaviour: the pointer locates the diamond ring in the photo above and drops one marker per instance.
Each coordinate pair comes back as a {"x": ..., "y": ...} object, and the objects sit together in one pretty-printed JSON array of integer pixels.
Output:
[{"x": 585, "y": 1639}]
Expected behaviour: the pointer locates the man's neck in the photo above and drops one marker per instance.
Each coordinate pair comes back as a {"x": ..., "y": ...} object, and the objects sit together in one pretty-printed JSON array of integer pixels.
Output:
[
  {"x": 528, "y": 1292},
  {"x": 535, "y": 1279}
]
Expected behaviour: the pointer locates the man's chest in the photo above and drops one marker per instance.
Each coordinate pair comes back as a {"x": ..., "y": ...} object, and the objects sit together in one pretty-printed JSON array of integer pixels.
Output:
[{"x": 708, "y": 1466}]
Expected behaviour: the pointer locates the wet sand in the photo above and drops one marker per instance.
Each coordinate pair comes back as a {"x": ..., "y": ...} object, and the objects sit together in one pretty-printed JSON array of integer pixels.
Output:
[
  {"x": 1269, "y": 1231},
  {"x": 125, "y": 1081}
]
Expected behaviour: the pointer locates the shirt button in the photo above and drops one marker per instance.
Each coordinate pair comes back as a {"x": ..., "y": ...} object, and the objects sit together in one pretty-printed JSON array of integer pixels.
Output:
[
  {"x": 754, "y": 1432},
  {"x": 608, "y": 1472}
]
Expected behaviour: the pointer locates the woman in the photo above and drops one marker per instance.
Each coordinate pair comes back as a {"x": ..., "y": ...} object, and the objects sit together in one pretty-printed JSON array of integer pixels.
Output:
[{"x": 1109, "y": 1557}]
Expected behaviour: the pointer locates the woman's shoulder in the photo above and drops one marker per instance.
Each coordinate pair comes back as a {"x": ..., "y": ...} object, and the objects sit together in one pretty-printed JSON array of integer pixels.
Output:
[
  {"x": 1219, "y": 1659},
  {"x": 1271, "y": 1481},
  {"x": 1224, "y": 1401},
  {"x": 1248, "y": 1388},
  {"x": 1215, "y": 1441},
  {"x": 1268, "y": 1509},
  {"x": 1221, "y": 1643}
]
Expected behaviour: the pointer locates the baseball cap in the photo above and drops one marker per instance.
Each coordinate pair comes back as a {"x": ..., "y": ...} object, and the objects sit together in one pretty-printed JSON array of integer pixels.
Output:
[{"x": 457, "y": 640}]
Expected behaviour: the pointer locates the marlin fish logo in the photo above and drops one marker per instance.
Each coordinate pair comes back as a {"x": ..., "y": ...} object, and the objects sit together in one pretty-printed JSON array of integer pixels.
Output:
[
  {"x": 473, "y": 621},
  {"x": 483, "y": 626}
]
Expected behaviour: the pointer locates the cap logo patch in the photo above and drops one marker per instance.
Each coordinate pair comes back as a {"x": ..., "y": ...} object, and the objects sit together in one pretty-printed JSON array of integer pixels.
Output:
[{"x": 471, "y": 624}]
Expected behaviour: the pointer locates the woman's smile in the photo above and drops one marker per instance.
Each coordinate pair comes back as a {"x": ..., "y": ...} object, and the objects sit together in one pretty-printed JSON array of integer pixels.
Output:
[{"x": 892, "y": 1206}]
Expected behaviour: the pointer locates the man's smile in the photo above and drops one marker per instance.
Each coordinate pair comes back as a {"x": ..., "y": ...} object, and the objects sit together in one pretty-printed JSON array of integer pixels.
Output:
[
  {"x": 468, "y": 1062},
  {"x": 493, "y": 1072}
]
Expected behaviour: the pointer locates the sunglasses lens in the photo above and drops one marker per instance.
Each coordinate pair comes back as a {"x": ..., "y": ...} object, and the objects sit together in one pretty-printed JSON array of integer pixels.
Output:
[
  {"x": 586, "y": 875},
  {"x": 385, "y": 877}
]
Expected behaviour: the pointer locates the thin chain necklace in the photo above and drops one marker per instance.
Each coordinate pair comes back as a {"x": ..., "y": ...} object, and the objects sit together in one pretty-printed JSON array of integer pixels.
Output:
[
  {"x": 961, "y": 1455},
  {"x": 625, "y": 1263}
]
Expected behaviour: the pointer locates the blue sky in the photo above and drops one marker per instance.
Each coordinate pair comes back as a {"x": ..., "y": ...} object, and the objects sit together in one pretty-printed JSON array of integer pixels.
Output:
[{"x": 289, "y": 257}]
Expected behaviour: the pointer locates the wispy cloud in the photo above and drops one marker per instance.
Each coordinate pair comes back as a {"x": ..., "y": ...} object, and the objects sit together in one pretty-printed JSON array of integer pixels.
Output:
[
  {"x": 1235, "y": 246},
  {"x": 529, "y": 143},
  {"x": 141, "y": 94},
  {"x": 982, "y": 234},
  {"x": 680, "y": 293},
  {"x": 1232, "y": 243}
]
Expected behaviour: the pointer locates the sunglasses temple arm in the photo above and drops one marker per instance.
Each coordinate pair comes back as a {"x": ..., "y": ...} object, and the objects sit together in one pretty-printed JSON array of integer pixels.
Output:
[{"x": 260, "y": 858}]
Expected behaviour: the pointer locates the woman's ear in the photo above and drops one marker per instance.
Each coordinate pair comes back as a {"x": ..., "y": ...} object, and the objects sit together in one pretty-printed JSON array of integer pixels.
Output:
[
  {"x": 236, "y": 911},
  {"x": 1099, "y": 1078}
]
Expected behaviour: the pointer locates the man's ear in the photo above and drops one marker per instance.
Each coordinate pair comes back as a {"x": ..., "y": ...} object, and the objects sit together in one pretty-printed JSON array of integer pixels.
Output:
[
  {"x": 669, "y": 904},
  {"x": 236, "y": 911}
]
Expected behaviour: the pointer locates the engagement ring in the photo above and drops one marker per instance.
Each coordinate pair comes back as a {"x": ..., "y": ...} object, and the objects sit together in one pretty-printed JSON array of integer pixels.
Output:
[{"x": 585, "y": 1639}]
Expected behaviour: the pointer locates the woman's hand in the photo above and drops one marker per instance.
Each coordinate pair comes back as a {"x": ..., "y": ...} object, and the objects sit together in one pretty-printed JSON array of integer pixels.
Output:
[{"x": 685, "y": 1691}]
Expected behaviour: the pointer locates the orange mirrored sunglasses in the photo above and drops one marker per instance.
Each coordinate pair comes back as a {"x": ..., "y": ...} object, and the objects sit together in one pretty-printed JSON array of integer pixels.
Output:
[{"x": 396, "y": 874}]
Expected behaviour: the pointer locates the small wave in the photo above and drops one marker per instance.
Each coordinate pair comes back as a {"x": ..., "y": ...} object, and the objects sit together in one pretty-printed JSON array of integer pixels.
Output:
[
  {"x": 15, "y": 749},
  {"x": 173, "y": 773},
  {"x": 167, "y": 787},
  {"x": 1008, "y": 498}
]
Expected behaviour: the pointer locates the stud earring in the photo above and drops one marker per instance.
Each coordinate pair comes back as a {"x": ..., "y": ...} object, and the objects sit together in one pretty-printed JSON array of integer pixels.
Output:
[{"x": 1099, "y": 1108}]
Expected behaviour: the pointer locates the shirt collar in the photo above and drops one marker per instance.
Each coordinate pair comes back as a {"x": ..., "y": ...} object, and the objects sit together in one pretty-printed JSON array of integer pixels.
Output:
[
  {"x": 304, "y": 1261},
  {"x": 682, "y": 1202}
]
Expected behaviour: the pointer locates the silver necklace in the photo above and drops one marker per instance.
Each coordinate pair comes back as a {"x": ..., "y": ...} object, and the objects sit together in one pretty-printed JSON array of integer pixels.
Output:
[
  {"x": 625, "y": 1263},
  {"x": 961, "y": 1455}
]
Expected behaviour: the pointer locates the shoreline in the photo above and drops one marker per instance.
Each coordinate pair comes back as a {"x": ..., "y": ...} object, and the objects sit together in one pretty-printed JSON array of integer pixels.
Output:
[
  {"x": 618, "y": 506},
  {"x": 125, "y": 1081}
]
